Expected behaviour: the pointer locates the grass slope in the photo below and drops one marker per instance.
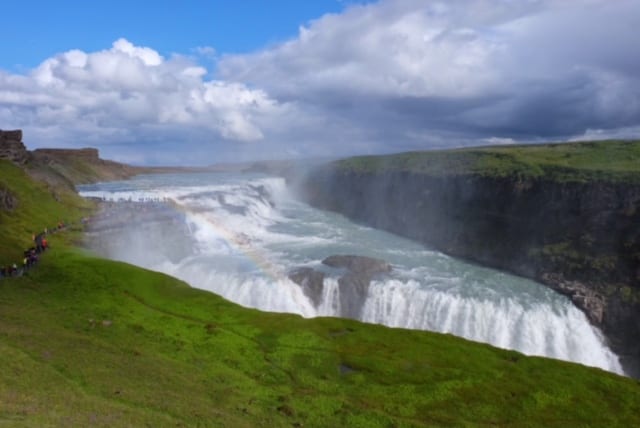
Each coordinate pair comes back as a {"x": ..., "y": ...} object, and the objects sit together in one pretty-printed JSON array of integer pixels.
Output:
[
  {"x": 85, "y": 341},
  {"x": 603, "y": 160},
  {"x": 88, "y": 341},
  {"x": 77, "y": 166},
  {"x": 36, "y": 209}
]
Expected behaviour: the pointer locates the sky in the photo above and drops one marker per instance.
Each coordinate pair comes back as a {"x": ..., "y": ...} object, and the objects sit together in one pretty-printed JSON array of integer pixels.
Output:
[{"x": 196, "y": 82}]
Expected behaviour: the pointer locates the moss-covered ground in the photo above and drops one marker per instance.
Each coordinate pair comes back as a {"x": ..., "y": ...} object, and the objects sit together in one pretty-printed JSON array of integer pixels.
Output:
[
  {"x": 91, "y": 342},
  {"x": 581, "y": 161}
]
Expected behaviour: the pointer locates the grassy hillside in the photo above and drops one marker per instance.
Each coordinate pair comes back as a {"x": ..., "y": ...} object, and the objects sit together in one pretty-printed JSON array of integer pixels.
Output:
[
  {"x": 36, "y": 208},
  {"x": 604, "y": 160},
  {"x": 66, "y": 168},
  {"x": 87, "y": 341},
  {"x": 90, "y": 342}
]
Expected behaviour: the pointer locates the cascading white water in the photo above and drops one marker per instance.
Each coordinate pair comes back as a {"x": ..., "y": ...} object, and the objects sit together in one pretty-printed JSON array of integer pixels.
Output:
[
  {"x": 239, "y": 236},
  {"x": 549, "y": 329}
]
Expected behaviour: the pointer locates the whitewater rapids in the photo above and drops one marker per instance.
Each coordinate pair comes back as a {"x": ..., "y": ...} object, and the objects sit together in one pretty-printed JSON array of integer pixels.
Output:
[{"x": 238, "y": 235}]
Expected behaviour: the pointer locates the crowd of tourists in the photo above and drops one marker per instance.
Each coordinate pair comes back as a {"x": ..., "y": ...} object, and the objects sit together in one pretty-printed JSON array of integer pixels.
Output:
[{"x": 31, "y": 255}]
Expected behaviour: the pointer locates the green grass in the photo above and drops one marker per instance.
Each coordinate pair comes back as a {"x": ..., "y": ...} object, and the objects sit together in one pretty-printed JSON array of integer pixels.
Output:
[
  {"x": 36, "y": 209},
  {"x": 91, "y": 342},
  {"x": 602, "y": 160}
]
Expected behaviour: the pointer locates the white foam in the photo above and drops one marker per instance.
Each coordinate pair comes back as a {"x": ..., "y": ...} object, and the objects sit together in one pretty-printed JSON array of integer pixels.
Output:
[
  {"x": 255, "y": 291},
  {"x": 563, "y": 333}
]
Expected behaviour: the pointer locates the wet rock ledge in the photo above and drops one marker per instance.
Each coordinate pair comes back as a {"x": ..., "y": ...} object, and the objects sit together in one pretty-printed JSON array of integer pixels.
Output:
[{"x": 356, "y": 275}]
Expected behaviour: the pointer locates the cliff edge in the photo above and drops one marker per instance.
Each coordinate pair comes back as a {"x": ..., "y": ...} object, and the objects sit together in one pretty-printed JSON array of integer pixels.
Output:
[
  {"x": 566, "y": 215},
  {"x": 12, "y": 148},
  {"x": 62, "y": 168}
]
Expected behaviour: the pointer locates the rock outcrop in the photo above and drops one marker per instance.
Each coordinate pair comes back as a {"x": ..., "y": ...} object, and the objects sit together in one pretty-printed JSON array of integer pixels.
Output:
[
  {"x": 353, "y": 283},
  {"x": 77, "y": 166},
  {"x": 12, "y": 148},
  {"x": 365, "y": 266},
  {"x": 586, "y": 298},
  {"x": 8, "y": 201},
  {"x": 580, "y": 238},
  {"x": 64, "y": 167},
  {"x": 311, "y": 281}
]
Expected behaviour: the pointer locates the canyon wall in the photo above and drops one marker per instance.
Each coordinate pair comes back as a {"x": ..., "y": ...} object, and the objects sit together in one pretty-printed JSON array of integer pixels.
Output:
[{"x": 581, "y": 238}]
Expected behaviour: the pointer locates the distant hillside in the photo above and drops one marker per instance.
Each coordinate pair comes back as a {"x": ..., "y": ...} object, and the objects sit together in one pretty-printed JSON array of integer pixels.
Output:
[
  {"x": 62, "y": 167},
  {"x": 77, "y": 166}
]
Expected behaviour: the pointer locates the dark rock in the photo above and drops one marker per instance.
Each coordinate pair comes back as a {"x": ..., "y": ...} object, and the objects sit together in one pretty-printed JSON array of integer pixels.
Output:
[
  {"x": 354, "y": 288},
  {"x": 346, "y": 369},
  {"x": 311, "y": 281},
  {"x": 591, "y": 302},
  {"x": 358, "y": 264},
  {"x": 12, "y": 148},
  {"x": 354, "y": 284},
  {"x": 15, "y": 135},
  {"x": 622, "y": 312}
]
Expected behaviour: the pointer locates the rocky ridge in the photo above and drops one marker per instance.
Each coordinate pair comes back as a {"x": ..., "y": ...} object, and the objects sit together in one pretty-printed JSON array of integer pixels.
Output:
[
  {"x": 62, "y": 168},
  {"x": 12, "y": 148}
]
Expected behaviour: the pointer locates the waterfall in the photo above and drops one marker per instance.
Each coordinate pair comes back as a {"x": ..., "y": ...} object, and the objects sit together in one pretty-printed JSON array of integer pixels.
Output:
[{"x": 239, "y": 236}]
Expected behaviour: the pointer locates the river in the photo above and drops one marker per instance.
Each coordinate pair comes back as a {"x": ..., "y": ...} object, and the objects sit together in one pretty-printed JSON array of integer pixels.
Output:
[{"x": 239, "y": 235}]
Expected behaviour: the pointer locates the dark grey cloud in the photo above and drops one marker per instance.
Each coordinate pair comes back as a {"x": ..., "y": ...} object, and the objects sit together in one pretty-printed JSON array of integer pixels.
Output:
[{"x": 412, "y": 73}]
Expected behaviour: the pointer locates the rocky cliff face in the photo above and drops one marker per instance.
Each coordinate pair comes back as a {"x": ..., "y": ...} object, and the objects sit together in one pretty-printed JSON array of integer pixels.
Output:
[
  {"x": 358, "y": 271},
  {"x": 62, "y": 167},
  {"x": 12, "y": 148},
  {"x": 580, "y": 238},
  {"x": 78, "y": 166}
]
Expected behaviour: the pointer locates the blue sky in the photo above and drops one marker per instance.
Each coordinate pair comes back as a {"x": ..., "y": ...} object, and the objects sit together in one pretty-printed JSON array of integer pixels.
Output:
[
  {"x": 41, "y": 28},
  {"x": 200, "y": 82}
]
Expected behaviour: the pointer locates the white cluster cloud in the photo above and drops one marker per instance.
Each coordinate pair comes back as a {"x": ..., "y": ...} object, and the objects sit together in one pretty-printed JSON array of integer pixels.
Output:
[
  {"x": 387, "y": 76},
  {"x": 130, "y": 93},
  {"x": 397, "y": 48}
]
